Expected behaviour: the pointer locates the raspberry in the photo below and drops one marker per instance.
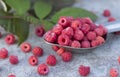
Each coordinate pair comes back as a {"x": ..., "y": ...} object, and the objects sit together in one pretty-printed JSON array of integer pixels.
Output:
[
  {"x": 91, "y": 35},
  {"x": 50, "y": 37},
  {"x": 66, "y": 56},
  {"x": 85, "y": 44},
  {"x": 55, "y": 48},
  {"x": 119, "y": 59},
  {"x": 68, "y": 31},
  {"x": 84, "y": 70},
  {"x": 0, "y": 34},
  {"x": 25, "y": 47},
  {"x": 10, "y": 39},
  {"x": 113, "y": 72},
  {"x": 117, "y": 32},
  {"x": 63, "y": 40},
  {"x": 13, "y": 59},
  {"x": 100, "y": 40},
  {"x": 75, "y": 44},
  {"x": 111, "y": 19},
  {"x": 64, "y": 21},
  {"x": 57, "y": 29},
  {"x": 87, "y": 20},
  {"x": 104, "y": 29},
  {"x": 76, "y": 24},
  {"x": 93, "y": 27},
  {"x": 37, "y": 51},
  {"x": 60, "y": 51},
  {"x": 94, "y": 43},
  {"x": 85, "y": 28},
  {"x": 11, "y": 75},
  {"x": 106, "y": 13},
  {"x": 3, "y": 53},
  {"x": 33, "y": 60},
  {"x": 39, "y": 31},
  {"x": 51, "y": 60},
  {"x": 43, "y": 69},
  {"x": 78, "y": 35},
  {"x": 99, "y": 31}
]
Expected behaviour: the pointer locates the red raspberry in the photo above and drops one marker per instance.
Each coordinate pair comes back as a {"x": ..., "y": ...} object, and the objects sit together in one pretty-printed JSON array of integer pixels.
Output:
[
  {"x": 55, "y": 48},
  {"x": 39, "y": 31},
  {"x": 64, "y": 21},
  {"x": 25, "y": 47},
  {"x": 66, "y": 56},
  {"x": 99, "y": 31},
  {"x": 111, "y": 19},
  {"x": 85, "y": 44},
  {"x": 119, "y": 59},
  {"x": 63, "y": 40},
  {"x": 60, "y": 51},
  {"x": 0, "y": 34},
  {"x": 51, "y": 60},
  {"x": 50, "y": 36},
  {"x": 106, "y": 13},
  {"x": 11, "y": 75},
  {"x": 68, "y": 31},
  {"x": 10, "y": 39},
  {"x": 76, "y": 24},
  {"x": 104, "y": 29},
  {"x": 3, "y": 53},
  {"x": 33, "y": 60},
  {"x": 13, "y": 59},
  {"x": 84, "y": 70},
  {"x": 85, "y": 28},
  {"x": 57, "y": 29},
  {"x": 100, "y": 40},
  {"x": 91, "y": 35},
  {"x": 87, "y": 20},
  {"x": 94, "y": 43},
  {"x": 75, "y": 44},
  {"x": 37, "y": 51},
  {"x": 117, "y": 32},
  {"x": 78, "y": 35},
  {"x": 93, "y": 27},
  {"x": 113, "y": 72},
  {"x": 43, "y": 69}
]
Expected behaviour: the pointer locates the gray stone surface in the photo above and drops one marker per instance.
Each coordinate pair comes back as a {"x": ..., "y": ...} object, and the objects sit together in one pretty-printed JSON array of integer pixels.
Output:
[{"x": 100, "y": 60}]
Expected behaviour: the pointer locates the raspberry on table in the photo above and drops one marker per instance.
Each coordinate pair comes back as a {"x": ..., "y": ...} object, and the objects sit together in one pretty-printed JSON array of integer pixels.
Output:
[
  {"x": 84, "y": 70},
  {"x": 119, "y": 59},
  {"x": 57, "y": 29},
  {"x": 63, "y": 40},
  {"x": 50, "y": 36},
  {"x": 43, "y": 69},
  {"x": 25, "y": 47},
  {"x": 11, "y": 75},
  {"x": 60, "y": 51},
  {"x": 106, "y": 13},
  {"x": 3, "y": 53},
  {"x": 85, "y": 28},
  {"x": 91, "y": 35},
  {"x": 79, "y": 35},
  {"x": 113, "y": 72},
  {"x": 51, "y": 60},
  {"x": 39, "y": 31},
  {"x": 117, "y": 32},
  {"x": 67, "y": 56},
  {"x": 33, "y": 60},
  {"x": 85, "y": 44},
  {"x": 64, "y": 21},
  {"x": 75, "y": 44},
  {"x": 68, "y": 31},
  {"x": 99, "y": 31},
  {"x": 10, "y": 39},
  {"x": 111, "y": 19},
  {"x": 55, "y": 48},
  {"x": 76, "y": 24},
  {"x": 37, "y": 51},
  {"x": 13, "y": 59}
]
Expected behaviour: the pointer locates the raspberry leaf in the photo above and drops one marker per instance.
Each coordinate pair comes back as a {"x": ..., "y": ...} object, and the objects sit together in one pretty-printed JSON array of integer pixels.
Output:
[
  {"x": 75, "y": 12},
  {"x": 20, "y": 6},
  {"x": 42, "y": 9},
  {"x": 47, "y": 25}
]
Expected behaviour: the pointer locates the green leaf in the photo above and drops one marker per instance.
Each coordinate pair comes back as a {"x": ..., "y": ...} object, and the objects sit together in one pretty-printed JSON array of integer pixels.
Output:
[
  {"x": 20, "y": 6},
  {"x": 42, "y": 9},
  {"x": 47, "y": 25},
  {"x": 75, "y": 12}
]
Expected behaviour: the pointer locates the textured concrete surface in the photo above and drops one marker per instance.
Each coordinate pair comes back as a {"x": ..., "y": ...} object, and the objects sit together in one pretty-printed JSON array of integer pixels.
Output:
[{"x": 100, "y": 60}]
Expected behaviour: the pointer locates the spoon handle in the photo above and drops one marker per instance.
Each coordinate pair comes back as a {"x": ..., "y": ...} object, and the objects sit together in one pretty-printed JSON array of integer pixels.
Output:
[{"x": 113, "y": 26}]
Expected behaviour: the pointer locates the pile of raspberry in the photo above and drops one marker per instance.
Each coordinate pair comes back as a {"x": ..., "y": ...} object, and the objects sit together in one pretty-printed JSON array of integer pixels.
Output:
[{"x": 76, "y": 32}]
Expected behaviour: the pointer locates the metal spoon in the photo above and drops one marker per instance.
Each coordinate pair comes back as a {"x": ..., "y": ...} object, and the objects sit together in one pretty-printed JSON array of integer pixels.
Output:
[{"x": 111, "y": 27}]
